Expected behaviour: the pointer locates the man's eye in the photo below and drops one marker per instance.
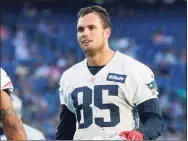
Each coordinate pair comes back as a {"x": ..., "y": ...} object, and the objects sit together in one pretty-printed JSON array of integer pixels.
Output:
[
  {"x": 80, "y": 29},
  {"x": 91, "y": 28}
]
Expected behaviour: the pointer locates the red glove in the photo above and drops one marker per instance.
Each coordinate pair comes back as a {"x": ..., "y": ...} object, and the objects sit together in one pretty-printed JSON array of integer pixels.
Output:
[{"x": 132, "y": 135}]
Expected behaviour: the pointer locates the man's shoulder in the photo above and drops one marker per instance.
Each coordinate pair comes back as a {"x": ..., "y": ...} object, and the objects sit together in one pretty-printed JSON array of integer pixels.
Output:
[
  {"x": 77, "y": 68},
  {"x": 127, "y": 59},
  {"x": 131, "y": 61},
  {"x": 133, "y": 64}
]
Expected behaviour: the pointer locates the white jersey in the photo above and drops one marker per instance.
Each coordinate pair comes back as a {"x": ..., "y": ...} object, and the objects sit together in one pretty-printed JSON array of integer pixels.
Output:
[
  {"x": 6, "y": 82},
  {"x": 107, "y": 101},
  {"x": 32, "y": 133}
]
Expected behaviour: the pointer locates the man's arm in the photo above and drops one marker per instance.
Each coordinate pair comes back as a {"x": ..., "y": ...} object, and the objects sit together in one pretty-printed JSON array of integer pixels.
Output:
[
  {"x": 67, "y": 126},
  {"x": 151, "y": 117},
  {"x": 152, "y": 120},
  {"x": 12, "y": 124}
]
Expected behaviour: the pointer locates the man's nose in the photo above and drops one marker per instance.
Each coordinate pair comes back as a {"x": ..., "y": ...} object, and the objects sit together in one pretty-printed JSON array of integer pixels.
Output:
[{"x": 86, "y": 33}]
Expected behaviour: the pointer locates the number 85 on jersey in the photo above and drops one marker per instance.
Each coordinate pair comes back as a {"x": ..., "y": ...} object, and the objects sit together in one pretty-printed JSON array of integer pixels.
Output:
[{"x": 94, "y": 106}]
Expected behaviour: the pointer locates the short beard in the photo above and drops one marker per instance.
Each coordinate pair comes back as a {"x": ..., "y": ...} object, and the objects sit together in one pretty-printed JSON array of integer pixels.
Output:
[{"x": 92, "y": 52}]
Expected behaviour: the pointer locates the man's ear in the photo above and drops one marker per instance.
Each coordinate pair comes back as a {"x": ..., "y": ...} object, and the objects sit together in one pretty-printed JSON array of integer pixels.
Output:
[{"x": 107, "y": 32}]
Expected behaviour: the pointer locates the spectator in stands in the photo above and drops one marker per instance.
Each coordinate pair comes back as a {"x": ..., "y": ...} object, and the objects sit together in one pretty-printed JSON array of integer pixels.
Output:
[
  {"x": 163, "y": 69},
  {"x": 168, "y": 56},
  {"x": 159, "y": 38},
  {"x": 20, "y": 43},
  {"x": 4, "y": 33},
  {"x": 42, "y": 26},
  {"x": 183, "y": 57}
]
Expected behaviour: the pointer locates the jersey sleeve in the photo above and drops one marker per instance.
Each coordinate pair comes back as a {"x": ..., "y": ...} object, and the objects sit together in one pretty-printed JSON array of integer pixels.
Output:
[
  {"x": 65, "y": 92},
  {"x": 62, "y": 90},
  {"x": 6, "y": 82},
  {"x": 146, "y": 85}
]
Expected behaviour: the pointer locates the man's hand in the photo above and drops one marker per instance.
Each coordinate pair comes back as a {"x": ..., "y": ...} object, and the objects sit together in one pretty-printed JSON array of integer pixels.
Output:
[{"x": 132, "y": 135}]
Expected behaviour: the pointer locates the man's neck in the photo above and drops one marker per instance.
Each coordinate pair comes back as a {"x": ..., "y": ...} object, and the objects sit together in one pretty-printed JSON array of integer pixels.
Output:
[{"x": 100, "y": 59}]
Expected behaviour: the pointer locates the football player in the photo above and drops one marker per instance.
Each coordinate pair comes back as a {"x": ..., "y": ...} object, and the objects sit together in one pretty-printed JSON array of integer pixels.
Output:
[
  {"x": 108, "y": 92},
  {"x": 32, "y": 133},
  {"x": 11, "y": 123}
]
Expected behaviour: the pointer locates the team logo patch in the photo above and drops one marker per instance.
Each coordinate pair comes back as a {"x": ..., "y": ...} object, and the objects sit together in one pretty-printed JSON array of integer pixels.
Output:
[
  {"x": 153, "y": 86},
  {"x": 116, "y": 77}
]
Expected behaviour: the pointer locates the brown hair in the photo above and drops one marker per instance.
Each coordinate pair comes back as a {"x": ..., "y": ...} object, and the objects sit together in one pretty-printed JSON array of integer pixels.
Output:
[{"x": 103, "y": 14}]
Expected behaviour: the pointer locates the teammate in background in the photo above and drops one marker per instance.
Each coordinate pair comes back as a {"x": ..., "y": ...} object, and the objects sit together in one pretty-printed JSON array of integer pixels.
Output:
[
  {"x": 11, "y": 123},
  {"x": 108, "y": 92},
  {"x": 32, "y": 133}
]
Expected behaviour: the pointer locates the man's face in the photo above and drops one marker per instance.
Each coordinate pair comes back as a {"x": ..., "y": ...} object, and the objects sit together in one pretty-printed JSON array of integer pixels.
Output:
[{"x": 90, "y": 33}]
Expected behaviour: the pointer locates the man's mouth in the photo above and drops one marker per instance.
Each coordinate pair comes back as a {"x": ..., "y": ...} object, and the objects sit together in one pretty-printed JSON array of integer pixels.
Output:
[{"x": 86, "y": 41}]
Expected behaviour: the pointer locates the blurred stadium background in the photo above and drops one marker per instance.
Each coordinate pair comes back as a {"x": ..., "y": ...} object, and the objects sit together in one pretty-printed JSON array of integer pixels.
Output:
[{"x": 38, "y": 43}]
